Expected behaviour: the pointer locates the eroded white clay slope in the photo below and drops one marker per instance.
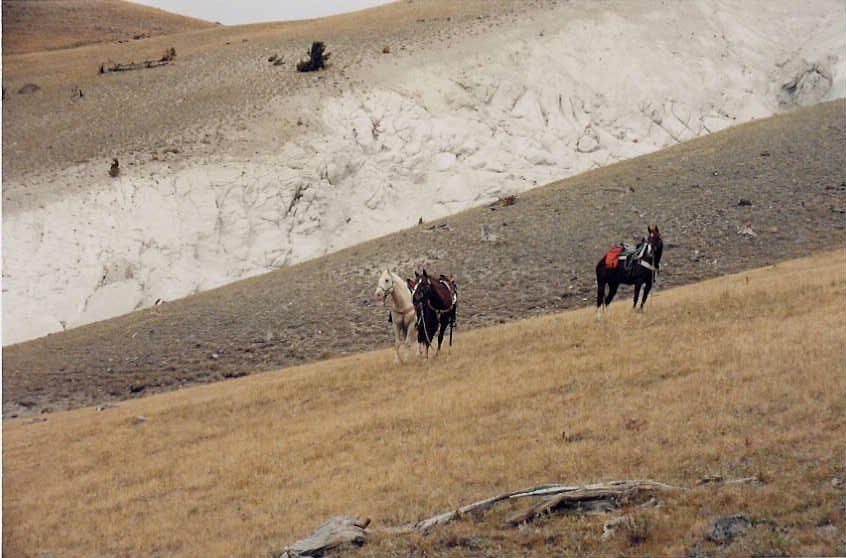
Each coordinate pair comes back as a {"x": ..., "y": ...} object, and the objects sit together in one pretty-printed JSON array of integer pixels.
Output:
[{"x": 549, "y": 98}]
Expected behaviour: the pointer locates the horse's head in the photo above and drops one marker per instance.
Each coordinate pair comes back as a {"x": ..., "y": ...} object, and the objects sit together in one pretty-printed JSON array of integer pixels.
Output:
[
  {"x": 655, "y": 244},
  {"x": 385, "y": 286},
  {"x": 422, "y": 287}
]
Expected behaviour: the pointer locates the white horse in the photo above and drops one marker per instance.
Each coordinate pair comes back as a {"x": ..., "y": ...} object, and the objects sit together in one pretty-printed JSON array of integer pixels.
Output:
[{"x": 403, "y": 315}]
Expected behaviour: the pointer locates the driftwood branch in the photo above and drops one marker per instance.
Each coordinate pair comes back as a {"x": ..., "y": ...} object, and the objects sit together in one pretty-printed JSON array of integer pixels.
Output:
[
  {"x": 590, "y": 498},
  {"x": 601, "y": 497},
  {"x": 595, "y": 497},
  {"x": 332, "y": 534},
  {"x": 166, "y": 59},
  {"x": 118, "y": 67}
]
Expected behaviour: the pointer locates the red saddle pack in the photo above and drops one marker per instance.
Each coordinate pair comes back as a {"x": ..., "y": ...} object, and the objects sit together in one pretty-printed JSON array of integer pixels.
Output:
[{"x": 612, "y": 257}]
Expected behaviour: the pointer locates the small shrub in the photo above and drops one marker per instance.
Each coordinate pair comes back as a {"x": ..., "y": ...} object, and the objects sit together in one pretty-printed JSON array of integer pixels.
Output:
[{"x": 317, "y": 58}]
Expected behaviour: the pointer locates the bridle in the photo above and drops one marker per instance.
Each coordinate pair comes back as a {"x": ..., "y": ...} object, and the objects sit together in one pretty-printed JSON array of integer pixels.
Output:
[{"x": 389, "y": 291}]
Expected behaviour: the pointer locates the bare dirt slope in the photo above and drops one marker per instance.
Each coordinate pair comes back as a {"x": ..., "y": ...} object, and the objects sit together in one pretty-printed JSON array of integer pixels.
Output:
[
  {"x": 57, "y": 24},
  {"x": 740, "y": 376},
  {"x": 219, "y": 85},
  {"x": 790, "y": 168}
]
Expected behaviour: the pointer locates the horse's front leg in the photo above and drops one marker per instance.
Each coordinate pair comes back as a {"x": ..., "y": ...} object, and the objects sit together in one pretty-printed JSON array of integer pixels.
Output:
[
  {"x": 646, "y": 288},
  {"x": 397, "y": 341},
  {"x": 440, "y": 337}
]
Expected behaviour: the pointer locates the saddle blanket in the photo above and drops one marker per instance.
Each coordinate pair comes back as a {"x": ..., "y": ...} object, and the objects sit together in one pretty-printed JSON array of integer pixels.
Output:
[{"x": 612, "y": 257}]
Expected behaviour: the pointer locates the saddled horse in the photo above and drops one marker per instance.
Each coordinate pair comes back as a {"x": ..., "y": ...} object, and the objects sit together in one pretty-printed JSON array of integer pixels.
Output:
[
  {"x": 639, "y": 269},
  {"x": 435, "y": 301},
  {"x": 403, "y": 315}
]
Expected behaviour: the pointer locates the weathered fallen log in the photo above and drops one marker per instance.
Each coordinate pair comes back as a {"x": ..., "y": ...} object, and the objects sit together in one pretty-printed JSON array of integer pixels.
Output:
[
  {"x": 593, "y": 498},
  {"x": 166, "y": 59},
  {"x": 118, "y": 67},
  {"x": 424, "y": 525},
  {"x": 337, "y": 531},
  {"x": 590, "y": 498}
]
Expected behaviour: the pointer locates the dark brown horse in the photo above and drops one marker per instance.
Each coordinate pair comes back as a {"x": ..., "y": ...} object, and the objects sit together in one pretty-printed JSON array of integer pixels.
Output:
[
  {"x": 639, "y": 269},
  {"x": 435, "y": 301}
]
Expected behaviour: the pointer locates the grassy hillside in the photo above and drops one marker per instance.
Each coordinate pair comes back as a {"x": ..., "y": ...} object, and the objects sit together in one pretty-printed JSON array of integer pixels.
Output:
[
  {"x": 33, "y": 26},
  {"x": 791, "y": 168},
  {"x": 741, "y": 375}
]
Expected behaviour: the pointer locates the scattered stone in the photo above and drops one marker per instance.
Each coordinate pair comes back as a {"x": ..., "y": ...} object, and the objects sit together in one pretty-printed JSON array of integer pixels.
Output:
[
  {"x": 214, "y": 356},
  {"x": 36, "y": 420},
  {"x": 695, "y": 257},
  {"x": 28, "y": 88},
  {"x": 386, "y": 49},
  {"x": 508, "y": 200},
  {"x": 746, "y": 230},
  {"x": 140, "y": 419},
  {"x": 114, "y": 169},
  {"x": 837, "y": 482},
  {"x": 588, "y": 143},
  {"x": 805, "y": 84},
  {"x": 105, "y": 406},
  {"x": 634, "y": 529},
  {"x": 487, "y": 236},
  {"x": 744, "y": 202},
  {"x": 726, "y": 527},
  {"x": 765, "y": 153},
  {"x": 338, "y": 531}
]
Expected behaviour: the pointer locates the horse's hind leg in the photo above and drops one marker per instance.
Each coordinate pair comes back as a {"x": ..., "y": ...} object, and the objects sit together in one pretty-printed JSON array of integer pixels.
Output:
[
  {"x": 600, "y": 296},
  {"x": 612, "y": 290},
  {"x": 636, "y": 294}
]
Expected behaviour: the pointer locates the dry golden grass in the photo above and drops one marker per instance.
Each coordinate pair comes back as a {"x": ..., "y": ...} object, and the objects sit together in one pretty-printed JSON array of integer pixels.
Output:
[
  {"x": 742, "y": 375},
  {"x": 56, "y": 24}
]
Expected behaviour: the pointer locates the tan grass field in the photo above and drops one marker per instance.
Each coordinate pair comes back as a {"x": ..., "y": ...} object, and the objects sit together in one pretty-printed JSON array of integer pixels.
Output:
[
  {"x": 57, "y": 24},
  {"x": 741, "y": 375}
]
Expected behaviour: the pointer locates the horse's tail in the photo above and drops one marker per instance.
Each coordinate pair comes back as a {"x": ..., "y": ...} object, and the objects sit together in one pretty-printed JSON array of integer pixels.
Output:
[
  {"x": 452, "y": 324},
  {"x": 601, "y": 282}
]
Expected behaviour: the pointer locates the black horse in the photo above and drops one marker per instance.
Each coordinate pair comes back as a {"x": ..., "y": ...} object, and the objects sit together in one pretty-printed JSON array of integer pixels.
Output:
[
  {"x": 639, "y": 270},
  {"x": 435, "y": 301}
]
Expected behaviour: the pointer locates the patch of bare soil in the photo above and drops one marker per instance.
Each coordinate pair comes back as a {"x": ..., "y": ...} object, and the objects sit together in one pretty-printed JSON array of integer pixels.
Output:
[
  {"x": 748, "y": 196},
  {"x": 218, "y": 94}
]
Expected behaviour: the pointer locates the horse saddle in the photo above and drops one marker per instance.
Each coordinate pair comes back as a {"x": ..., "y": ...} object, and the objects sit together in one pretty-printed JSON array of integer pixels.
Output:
[
  {"x": 449, "y": 283},
  {"x": 630, "y": 252}
]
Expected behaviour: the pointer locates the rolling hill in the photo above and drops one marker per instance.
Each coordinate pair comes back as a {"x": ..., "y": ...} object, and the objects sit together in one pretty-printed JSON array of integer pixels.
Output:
[
  {"x": 740, "y": 376},
  {"x": 788, "y": 168},
  {"x": 31, "y": 26}
]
